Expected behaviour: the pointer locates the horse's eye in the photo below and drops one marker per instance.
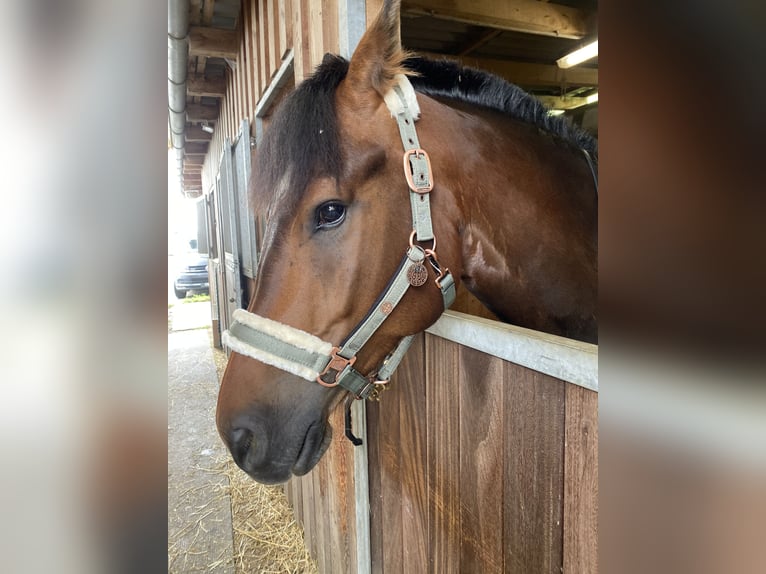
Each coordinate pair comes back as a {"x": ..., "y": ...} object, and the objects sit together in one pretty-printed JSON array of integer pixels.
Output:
[{"x": 330, "y": 214}]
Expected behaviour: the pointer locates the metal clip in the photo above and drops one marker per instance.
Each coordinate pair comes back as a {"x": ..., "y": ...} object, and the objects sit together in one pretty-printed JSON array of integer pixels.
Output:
[{"x": 337, "y": 363}]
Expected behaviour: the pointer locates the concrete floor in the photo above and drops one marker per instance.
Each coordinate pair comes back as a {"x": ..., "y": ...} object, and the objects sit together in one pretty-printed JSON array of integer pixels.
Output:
[{"x": 199, "y": 507}]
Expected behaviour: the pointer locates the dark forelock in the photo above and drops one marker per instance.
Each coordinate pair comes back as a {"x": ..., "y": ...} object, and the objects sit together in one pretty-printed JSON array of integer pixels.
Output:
[{"x": 302, "y": 138}]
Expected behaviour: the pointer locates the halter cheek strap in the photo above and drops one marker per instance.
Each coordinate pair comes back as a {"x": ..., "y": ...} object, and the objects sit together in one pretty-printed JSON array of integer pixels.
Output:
[{"x": 313, "y": 359}]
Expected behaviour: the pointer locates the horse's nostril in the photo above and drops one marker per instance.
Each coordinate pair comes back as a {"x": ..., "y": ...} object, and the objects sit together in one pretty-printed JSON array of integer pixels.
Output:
[{"x": 241, "y": 440}]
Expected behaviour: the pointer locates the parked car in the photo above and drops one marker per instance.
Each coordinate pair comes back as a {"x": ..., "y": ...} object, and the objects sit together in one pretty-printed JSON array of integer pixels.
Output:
[{"x": 192, "y": 276}]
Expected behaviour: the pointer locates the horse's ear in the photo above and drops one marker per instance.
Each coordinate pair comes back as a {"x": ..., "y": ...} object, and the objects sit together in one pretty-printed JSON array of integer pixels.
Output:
[{"x": 379, "y": 55}]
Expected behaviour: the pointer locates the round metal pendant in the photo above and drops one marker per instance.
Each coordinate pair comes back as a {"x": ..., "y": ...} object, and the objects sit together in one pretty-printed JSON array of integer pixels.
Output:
[{"x": 417, "y": 274}]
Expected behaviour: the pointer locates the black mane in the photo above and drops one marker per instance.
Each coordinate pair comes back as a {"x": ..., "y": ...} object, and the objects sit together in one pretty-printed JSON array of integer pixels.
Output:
[
  {"x": 450, "y": 80},
  {"x": 303, "y": 138}
]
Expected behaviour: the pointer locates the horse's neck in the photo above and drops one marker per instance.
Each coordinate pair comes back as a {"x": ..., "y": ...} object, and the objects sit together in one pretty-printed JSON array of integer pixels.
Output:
[{"x": 529, "y": 250}]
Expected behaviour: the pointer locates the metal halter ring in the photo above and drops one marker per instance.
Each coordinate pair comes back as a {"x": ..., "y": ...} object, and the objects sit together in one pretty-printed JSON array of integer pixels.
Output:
[{"x": 412, "y": 242}]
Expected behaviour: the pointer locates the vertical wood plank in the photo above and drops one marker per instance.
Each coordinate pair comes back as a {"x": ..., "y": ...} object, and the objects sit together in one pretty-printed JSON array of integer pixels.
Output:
[
  {"x": 376, "y": 494},
  {"x": 329, "y": 27},
  {"x": 309, "y": 516},
  {"x": 390, "y": 475},
  {"x": 247, "y": 41},
  {"x": 299, "y": 39},
  {"x": 481, "y": 462},
  {"x": 581, "y": 481},
  {"x": 297, "y": 501},
  {"x": 315, "y": 34},
  {"x": 263, "y": 45},
  {"x": 237, "y": 116},
  {"x": 443, "y": 456},
  {"x": 320, "y": 508},
  {"x": 256, "y": 57},
  {"x": 242, "y": 65},
  {"x": 285, "y": 27},
  {"x": 272, "y": 37},
  {"x": 412, "y": 458},
  {"x": 335, "y": 472},
  {"x": 534, "y": 469}
]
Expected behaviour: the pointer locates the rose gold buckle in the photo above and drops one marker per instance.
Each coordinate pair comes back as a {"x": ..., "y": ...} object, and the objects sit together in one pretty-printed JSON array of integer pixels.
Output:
[
  {"x": 337, "y": 364},
  {"x": 408, "y": 171}
]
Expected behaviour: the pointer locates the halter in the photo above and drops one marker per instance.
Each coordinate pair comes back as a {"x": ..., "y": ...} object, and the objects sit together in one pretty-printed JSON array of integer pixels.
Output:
[{"x": 313, "y": 359}]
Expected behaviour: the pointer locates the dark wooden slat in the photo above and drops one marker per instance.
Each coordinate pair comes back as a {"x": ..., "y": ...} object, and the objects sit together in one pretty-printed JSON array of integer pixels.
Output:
[
  {"x": 319, "y": 475},
  {"x": 481, "y": 462},
  {"x": 581, "y": 486},
  {"x": 263, "y": 42},
  {"x": 442, "y": 413},
  {"x": 309, "y": 514},
  {"x": 412, "y": 458},
  {"x": 334, "y": 472},
  {"x": 201, "y": 86},
  {"x": 390, "y": 475},
  {"x": 376, "y": 495},
  {"x": 199, "y": 112},
  {"x": 534, "y": 471},
  {"x": 195, "y": 133},
  {"x": 196, "y": 147}
]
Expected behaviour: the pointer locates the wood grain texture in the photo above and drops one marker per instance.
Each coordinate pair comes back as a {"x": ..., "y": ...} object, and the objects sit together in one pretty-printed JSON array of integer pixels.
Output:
[
  {"x": 330, "y": 41},
  {"x": 412, "y": 458},
  {"x": 256, "y": 57},
  {"x": 274, "y": 60},
  {"x": 581, "y": 486},
  {"x": 443, "y": 455},
  {"x": 247, "y": 61},
  {"x": 320, "y": 510},
  {"x": 309, "y": 515},
  {"x": 534, "y": 471},
  {"x": 285, "y": 27},
  {"x": 263, "y": 51},
  {"x": 391, "y": 476},
  {"x": 315, "y": 32},
  {"x": 481, "y": 462},
  {"x": 376, "y": 500}
]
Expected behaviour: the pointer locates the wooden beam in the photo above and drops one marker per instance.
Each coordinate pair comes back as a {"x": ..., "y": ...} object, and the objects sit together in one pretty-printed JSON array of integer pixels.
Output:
[
  {"x": 526, "y": 74},
  {"x": 200, "y": 86},
  {"x": 559, "y": 103},
  {"x": 196, "y": 147},
  {"x": 194, "y": 133},
  {"x": 200, "y": 113},
  {"x": 483, "y": 39},
  {"x": 528, "y": 16},
  {"x": 213, "y": 42},
  {"x": 193, "y": 159},
  {"x": 208, "y": 9}
]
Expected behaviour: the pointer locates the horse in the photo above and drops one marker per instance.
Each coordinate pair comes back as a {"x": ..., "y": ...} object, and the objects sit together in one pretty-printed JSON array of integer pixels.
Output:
[{"x": 350, "y": 267}]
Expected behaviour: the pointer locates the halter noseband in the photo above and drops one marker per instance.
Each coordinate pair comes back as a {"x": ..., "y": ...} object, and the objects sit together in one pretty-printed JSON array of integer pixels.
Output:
[{"x": 313, "y": 359}]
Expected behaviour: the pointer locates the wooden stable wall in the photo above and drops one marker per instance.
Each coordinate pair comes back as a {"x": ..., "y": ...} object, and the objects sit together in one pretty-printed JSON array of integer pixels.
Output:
[{"x": 476, "y": 464}]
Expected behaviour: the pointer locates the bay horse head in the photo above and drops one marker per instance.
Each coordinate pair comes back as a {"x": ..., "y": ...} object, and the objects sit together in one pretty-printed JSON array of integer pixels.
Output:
[{"x": 355, "y": 197}]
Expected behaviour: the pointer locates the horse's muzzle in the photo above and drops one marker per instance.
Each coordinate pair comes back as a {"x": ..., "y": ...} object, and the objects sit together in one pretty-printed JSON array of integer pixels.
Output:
[{"x": 272, "y": 458}]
